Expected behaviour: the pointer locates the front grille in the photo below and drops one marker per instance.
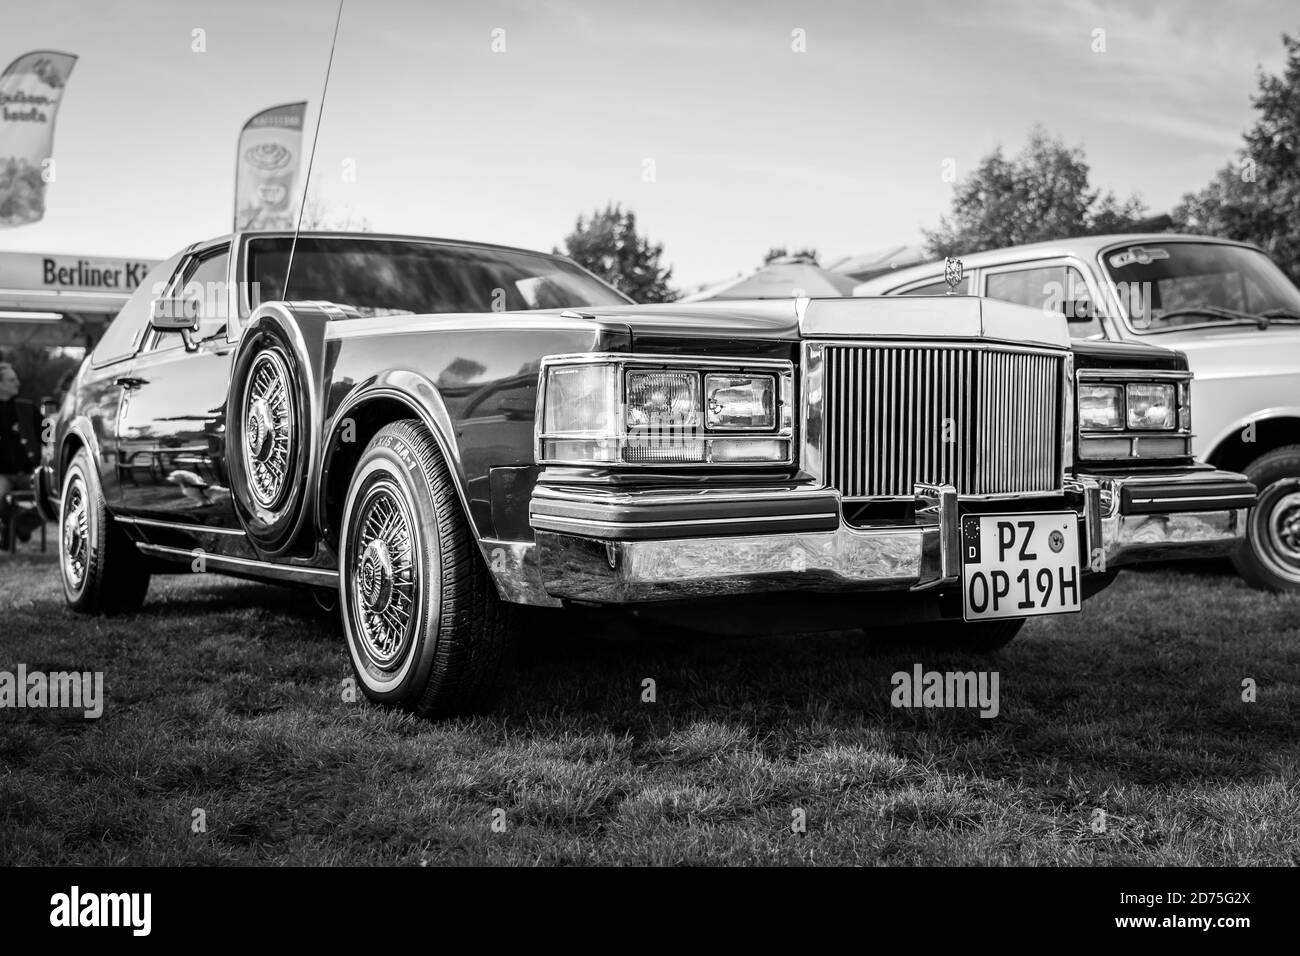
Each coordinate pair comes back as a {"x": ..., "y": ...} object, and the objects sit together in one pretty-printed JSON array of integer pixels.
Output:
[{"x": 986, "y": 422}]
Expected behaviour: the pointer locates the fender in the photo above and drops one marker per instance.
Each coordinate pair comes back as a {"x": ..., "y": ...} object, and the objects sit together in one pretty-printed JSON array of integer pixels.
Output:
[
  {"x": 1237, "y": 427},
  {"x": 81, "y": 429},
  {"x": 418, "y": 393}
]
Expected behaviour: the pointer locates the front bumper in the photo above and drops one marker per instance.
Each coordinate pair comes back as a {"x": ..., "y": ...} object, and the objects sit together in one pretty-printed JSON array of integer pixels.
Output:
[{"x": 619, "y": 546}]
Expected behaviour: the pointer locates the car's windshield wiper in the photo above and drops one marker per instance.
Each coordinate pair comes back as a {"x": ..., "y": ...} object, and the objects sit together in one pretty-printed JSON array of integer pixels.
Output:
[
  {"x": 1288, "y": 315},
  {"x": 1214, "y": 311}
]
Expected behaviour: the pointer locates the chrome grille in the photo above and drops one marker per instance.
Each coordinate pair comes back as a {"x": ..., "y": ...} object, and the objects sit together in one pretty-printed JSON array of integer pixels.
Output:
[{"x": 984, "y": 421}]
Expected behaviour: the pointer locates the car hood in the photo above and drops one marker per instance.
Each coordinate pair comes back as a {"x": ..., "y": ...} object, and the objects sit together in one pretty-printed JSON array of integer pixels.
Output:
[
  {"x": 1237, "y": 352},
  {"x": 964, "y": 317}
]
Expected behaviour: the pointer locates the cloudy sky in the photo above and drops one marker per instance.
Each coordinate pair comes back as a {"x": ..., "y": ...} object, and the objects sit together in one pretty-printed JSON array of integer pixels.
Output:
[{"x": 701, "y": 116}]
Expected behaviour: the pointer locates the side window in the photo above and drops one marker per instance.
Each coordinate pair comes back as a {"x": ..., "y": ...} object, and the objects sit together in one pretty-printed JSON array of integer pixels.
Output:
[
  {"x": 123, "y": 335},
  {"x": 940, "y": 288},
  {"x": 202, "y": 288},
  {"x": 1052, "y": 288}
]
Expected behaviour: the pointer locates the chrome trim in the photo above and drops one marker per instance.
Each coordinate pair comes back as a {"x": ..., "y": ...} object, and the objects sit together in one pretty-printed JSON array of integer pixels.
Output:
[
  {"x": 679, "y": 523},
  {"x": 938, "y": 504},
  {"x": 179, "y": 526},
  {"x": 266, "y": 569},
  {"x": 1133, "y": 539},
  {"x": 1246, "y": 498},
  {"x": 811, "y": 403},
  {"x": 876, "y": 441},
  {"x": 514, "y": 568},
  {"x": 916, "y": 557},
  {"x": 625, "y": 362}
]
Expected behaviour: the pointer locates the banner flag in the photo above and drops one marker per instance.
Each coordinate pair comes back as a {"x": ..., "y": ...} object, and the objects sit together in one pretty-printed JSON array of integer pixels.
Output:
[
  {"x": 266, "y": 169},
  {"x": 31, "y": 88}
]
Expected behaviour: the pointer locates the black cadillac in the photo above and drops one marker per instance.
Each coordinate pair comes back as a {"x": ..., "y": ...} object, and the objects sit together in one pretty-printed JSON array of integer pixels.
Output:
[{"x": 441, "y": 431}]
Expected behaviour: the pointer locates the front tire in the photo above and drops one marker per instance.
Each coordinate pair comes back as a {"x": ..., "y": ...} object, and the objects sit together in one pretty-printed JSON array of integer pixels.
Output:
[
  {"x": 102, "y": 571},
  {"x": 1269, "y": 558},
  {"x": 425, "y": 627}
]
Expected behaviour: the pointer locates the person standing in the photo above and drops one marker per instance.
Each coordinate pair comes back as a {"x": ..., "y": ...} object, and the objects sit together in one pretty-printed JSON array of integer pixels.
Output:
[{"x": 20, "y": 449}]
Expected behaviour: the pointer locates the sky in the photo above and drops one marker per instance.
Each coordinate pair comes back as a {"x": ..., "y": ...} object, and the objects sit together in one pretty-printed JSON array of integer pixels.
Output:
[{"x": 704, "y": 117}]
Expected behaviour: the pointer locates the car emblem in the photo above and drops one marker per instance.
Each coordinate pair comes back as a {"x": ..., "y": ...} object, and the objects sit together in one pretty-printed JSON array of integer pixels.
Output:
[{"x": 953, "y": 273}]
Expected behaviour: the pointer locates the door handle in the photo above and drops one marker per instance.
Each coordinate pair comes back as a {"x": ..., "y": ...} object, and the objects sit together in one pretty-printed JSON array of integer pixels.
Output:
[{"x": 128, "y": 381}]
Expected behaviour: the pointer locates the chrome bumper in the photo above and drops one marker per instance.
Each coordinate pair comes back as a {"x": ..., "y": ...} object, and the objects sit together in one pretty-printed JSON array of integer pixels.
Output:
[{"x": 624, "y": 547}]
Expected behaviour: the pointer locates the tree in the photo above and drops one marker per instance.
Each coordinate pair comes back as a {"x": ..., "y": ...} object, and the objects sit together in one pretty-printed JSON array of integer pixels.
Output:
[
  {"x": 1042, "y": 193},
  {"x": 1257, "y": 197},
  {"x": 608, "y": 245},
  {"x": 780, "y": 252}
]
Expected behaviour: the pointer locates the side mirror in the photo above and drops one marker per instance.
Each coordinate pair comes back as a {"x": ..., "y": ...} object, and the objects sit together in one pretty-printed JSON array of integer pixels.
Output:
[{"x": 174, "y": 315}]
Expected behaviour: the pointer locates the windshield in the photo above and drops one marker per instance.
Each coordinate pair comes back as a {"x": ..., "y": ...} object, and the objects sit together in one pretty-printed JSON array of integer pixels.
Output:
[
  {"x": 409, "y": 277},
  {"x": 1170, "y": 285}
]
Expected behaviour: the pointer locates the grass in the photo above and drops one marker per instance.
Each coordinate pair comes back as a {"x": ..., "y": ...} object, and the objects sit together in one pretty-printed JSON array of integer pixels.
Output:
[{"x": 225, "y": 697}]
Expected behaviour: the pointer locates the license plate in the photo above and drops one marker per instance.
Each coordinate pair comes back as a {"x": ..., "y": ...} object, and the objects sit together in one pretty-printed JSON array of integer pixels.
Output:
[{"x": 1019, "y": 565}]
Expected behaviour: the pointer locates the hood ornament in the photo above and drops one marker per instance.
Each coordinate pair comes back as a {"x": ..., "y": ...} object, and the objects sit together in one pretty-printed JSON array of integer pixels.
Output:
[{"x": 953, "y": 273}]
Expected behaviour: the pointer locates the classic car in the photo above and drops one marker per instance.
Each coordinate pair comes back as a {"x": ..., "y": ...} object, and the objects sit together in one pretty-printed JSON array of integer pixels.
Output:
[
  {"x": 1225, "y": 304},
  {"x": 439, "y": 432}
]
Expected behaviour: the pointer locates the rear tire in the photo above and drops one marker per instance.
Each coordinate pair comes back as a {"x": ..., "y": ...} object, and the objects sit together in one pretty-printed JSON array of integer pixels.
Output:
[
  {"x": 425, "y": 627},
  {"x": 102, "y": 570},
  {"x": 1269, "y": 558}
]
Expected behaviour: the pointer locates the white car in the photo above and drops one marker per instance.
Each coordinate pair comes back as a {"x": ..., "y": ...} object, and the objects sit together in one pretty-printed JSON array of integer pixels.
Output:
[{"x": 1225, "y": 304}]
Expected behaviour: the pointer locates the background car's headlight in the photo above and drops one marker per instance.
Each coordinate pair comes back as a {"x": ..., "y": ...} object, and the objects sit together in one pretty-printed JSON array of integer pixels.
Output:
[
  {"x": 740, "y": 401},
  {"x": 1151, "y": 406},
  {"x": 1100, "y": 407}
]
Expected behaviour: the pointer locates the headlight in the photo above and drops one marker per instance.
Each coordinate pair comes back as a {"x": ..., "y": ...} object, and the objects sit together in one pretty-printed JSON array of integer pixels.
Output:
[
  {"x": 663, "y": 399},
  {"x": 648, "y": 410},
  {"x": 1121, "y": 419},
  {"x": 1099, "y": 407},
  {"x": 740, "y": 401},
  {"x": 1151, "y": 406}
]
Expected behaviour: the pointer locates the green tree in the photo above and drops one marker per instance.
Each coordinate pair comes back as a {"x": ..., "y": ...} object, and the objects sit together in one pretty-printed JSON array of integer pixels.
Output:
[
  {"x": 1041, "y": 193},
  {"x": 607, "y": 243},
  {"x": 1257, "y": 197}
]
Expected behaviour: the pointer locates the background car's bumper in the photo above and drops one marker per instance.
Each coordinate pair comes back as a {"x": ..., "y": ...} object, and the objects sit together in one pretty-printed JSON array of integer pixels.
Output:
[{"x": 612, "y": 546}]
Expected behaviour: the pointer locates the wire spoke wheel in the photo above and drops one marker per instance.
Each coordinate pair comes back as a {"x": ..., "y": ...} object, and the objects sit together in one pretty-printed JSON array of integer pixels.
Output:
[
  {"x": 74, "y": 535},
  {"x": 268, "y": 429},
  {"x": 388, "y": 571}
]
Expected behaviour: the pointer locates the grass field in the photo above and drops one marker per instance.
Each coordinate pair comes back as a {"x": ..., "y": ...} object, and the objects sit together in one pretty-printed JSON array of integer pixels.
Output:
[{"x": 225, "y": 697}]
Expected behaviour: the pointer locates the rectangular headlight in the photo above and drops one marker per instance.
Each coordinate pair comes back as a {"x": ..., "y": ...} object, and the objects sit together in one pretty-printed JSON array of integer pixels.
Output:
[
  {"x": 740, "y": 401},
  {"x": 1151, "y": 406},
  {"x": 649, "y": 410},
  {"x": 1100, "y": 407},
  {"x": 659, "y": 399},
  {"x": 580, "y": 400}
]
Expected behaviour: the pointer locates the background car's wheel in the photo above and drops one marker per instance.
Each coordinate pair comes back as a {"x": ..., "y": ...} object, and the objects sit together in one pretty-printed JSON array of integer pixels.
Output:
[
  {"x": 1270, "y": 555},
  {"x": 424, "y": 624},
  {"x": 103, "y": 572},
  {"x": 266, "y": 439}
]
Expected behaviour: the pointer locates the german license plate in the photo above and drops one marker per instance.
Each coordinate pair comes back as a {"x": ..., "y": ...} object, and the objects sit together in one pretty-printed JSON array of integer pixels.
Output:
[{"x": 1019, "y": 565}]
